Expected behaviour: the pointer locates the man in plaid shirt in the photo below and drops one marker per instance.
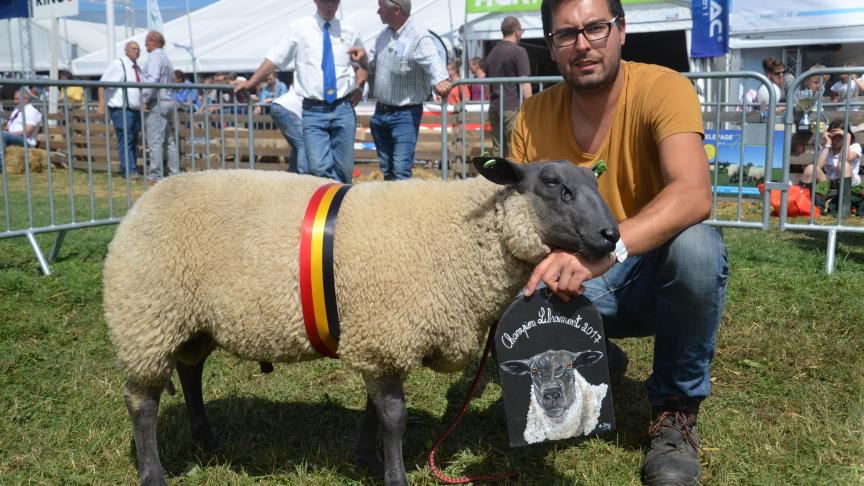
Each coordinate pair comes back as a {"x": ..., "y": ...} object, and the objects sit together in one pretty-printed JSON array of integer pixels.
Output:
[{"x": 407, "y": 67}]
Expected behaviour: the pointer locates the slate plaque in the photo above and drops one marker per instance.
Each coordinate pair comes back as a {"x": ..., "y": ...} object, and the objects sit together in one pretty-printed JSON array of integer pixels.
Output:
[{"x": 554, "y": 369}]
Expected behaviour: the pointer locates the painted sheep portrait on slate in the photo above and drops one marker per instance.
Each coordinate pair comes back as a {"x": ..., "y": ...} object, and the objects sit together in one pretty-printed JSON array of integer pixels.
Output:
[{"x": 563, "y": 404}]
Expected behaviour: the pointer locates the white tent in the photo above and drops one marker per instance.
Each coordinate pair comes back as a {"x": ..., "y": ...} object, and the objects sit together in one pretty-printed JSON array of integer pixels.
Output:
[
  {"x": 795, "y": 23},
  {"x": 235, "y": 35},
  {"x": 76, "y": 38}
]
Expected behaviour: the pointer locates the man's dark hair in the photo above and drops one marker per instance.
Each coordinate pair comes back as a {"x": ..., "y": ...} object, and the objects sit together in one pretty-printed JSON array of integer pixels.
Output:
[{"x": 549, "y": 6}]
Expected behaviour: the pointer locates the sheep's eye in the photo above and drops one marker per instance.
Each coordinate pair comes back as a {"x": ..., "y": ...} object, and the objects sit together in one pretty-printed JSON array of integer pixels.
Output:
[
  {"x": 551, "y": 182},
  {"x": 535, "y": 371},
  {"x": 566, "y": 194}
]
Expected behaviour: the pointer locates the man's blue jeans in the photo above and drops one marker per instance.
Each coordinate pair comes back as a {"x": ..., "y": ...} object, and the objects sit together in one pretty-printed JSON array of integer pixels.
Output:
[
  {"x": 127, "y": 136},
  {"x": 328, "y": 133},
  {"x": 395, "y": 136},
  {"x": 291, "y": 127},
  {"x": 677, "y": 293},
  {"x": 9, "y": 139}
]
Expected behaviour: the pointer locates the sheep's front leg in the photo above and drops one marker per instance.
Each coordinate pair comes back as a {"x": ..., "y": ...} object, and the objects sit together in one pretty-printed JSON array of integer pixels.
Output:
[
  {"x": 367, "y": 446},
  {"x": 389, "y": 399},
  {"x": 143, "y": 406}
]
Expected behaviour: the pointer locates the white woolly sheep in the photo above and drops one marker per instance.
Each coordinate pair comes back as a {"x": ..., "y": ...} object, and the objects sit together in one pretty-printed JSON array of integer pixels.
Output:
[
  {"x": 563, "y": 404},
  {"x": 422, "y": 269}
]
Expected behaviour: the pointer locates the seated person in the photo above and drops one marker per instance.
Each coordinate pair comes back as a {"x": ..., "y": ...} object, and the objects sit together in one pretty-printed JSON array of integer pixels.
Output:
[
  {"x": 828, "y": 164},
  {"x": 16, "y": 132},
  {"x": 848, "y": 87},
  {"x": 271, "y": 89},
  {"x": 775, "y": 71}
]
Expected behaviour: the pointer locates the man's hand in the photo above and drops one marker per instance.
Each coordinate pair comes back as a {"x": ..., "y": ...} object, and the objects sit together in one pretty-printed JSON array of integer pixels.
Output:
[
  {"x": 358, "y": 55},
  {"x": 242, "y": 85},
  {"x": 442, "y": 88},
  {"x": 565, "y": 273},
  {"x": 356, "y": 96}
]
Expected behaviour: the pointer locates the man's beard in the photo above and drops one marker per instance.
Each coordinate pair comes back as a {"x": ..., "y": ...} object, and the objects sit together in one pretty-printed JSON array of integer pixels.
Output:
[{"x": 591, "y": 83}]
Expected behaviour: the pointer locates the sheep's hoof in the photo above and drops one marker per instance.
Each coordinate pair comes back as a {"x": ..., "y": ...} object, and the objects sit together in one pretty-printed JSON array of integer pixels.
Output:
[
  {"x": 371, "y": 464},
  {"x": 207, "y": 442},
  {"x": 266, "y": 367}
]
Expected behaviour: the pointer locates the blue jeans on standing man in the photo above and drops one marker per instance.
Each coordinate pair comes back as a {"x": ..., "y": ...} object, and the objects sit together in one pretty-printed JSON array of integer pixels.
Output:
[
  {"x": 677, "y": 293},
  {"x": 328, "y": 133},
  {"x": 291, "y": 127},
  {"x": 127, "y": 137},
  {"x": 394, "y": 130}
]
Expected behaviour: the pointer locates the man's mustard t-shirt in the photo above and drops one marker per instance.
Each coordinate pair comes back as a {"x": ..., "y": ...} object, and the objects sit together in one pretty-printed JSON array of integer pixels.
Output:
[{"x": 655, "y": 102}]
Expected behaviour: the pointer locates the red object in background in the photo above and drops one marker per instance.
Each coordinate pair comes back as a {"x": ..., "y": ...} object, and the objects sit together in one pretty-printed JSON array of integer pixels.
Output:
[
  {"x": 799, "y": 201},
  {"x": 356, "y": 173}
]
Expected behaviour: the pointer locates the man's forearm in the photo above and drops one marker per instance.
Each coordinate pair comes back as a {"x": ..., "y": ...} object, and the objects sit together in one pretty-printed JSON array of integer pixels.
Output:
[
  {"x": 526, "y": 90},
  {"x": 262, "y": 72}
]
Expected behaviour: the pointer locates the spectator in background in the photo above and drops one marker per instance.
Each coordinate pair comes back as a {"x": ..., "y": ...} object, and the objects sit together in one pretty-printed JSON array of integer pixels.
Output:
[
  {"x": 287, "y": 114},
  {"x": 186, "y": 99},
  {"x": 461, "y": 92},
  {"x": 160, "y": 108},
  {"x": 836, "y": 141},
  {"x": 478, "y": 91},
  {"x": 407, "y": 67},
  {"x": 318, "y": 46},
  {"x": 269, "y": 91},
  {"x": 507, "y": 60},
  {"x": 74, "y": 94},
  {"x": 847, "y": 87},
  {"x": 775, "y": 71},
  {"x": 23, "y": 124},
  {"x": 124, "y": 105}
]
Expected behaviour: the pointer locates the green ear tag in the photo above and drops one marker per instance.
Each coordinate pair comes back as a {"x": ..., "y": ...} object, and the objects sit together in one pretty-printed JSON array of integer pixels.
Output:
[
  {"x": 489, "y": 163},
  {"x": 599, "y": 168}
]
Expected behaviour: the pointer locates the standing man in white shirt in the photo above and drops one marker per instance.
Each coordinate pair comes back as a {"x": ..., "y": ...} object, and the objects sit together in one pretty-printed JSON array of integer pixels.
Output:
[
  {"x": 23, "y": 124},
  {"x": 124, "y": 106},
  {"x": 160, "y": 107},
  {"x": 317, "y": 48},
  {"x": 407, "y": 67}
]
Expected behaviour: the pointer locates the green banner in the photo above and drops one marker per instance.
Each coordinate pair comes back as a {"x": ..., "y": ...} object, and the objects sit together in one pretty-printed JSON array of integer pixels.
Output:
[{"x": 490, "y": 6}]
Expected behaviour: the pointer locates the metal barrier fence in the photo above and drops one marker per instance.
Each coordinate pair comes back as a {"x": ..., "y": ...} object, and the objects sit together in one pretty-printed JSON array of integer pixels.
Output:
[
  {"x": 808, "y": 98},
  {"x": 720, "y": 115},
  {"x": 86, "y": 190}
]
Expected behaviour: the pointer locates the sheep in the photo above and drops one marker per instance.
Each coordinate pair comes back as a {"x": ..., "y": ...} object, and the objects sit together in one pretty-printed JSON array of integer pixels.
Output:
[
  {"x": 422, "y": 269},
  {"x": 732, "y": 170},
  {"x": 562, "y": 404},
  {"x": 755, "y": 174}
]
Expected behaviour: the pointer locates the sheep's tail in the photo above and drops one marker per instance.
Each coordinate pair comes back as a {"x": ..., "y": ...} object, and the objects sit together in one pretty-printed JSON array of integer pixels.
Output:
[{"x": 431, "y": 460}]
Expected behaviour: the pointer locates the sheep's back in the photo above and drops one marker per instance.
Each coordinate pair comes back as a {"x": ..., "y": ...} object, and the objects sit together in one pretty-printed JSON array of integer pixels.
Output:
[{"x": 215, "y": 253}]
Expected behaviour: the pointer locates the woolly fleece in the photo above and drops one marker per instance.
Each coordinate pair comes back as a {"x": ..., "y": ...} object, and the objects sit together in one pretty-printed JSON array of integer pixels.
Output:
[{"x": 422, "y": 269}]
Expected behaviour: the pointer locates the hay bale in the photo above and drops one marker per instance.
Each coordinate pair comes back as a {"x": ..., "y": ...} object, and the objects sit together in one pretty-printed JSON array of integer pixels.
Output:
[{"x": 14, "y": 159}]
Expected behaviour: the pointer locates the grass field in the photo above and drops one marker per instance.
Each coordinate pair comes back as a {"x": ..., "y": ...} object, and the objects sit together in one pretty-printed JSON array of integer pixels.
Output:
[{"x": 788, "y": 404}]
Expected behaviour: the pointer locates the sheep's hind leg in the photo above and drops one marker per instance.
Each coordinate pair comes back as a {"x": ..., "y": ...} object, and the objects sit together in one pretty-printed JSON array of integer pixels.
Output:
[
  {"x": 143, "y": 405},
  {"x": 389, "y": 399},
  {"x": 366, "y": 452},
  {"x": 190, "y": 381}
]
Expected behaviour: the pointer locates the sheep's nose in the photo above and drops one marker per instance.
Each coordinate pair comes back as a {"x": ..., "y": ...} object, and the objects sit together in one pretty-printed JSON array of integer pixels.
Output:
[
  {"x": 611, "y": 234},
  {"x": 552, "y": 394}
]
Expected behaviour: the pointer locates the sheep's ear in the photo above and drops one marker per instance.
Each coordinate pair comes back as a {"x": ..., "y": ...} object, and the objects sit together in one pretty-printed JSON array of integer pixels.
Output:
[
  {"x": 586, "y": 358},
  {"x": 499, "y": 170},
  {"x": 516, "y": 366}
]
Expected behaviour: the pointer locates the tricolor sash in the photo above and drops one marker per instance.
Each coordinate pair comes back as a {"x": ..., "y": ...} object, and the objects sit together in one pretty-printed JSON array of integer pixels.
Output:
[{"x": 317, "y": 286}]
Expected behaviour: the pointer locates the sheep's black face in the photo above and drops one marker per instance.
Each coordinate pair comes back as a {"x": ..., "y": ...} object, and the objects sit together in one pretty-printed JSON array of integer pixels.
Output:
[{"x": 571, "y": 214}]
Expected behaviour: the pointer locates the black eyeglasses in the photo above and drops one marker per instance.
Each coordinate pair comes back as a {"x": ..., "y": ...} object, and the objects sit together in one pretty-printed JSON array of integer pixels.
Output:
[{"x": 594, "y": 32}]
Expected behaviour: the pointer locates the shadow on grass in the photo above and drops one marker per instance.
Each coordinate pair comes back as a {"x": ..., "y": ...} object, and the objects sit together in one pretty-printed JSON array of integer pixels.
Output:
[
  {"x": 852, "y": 242},
  {"x": 260, "y": 437}
]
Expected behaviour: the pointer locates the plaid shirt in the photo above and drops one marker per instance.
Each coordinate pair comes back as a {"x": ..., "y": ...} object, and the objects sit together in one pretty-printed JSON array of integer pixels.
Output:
[{"x": 406, "y": 65}]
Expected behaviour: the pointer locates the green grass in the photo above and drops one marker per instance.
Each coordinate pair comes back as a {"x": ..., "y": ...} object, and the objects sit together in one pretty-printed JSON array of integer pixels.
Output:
[{"x": 788, "y": 403}]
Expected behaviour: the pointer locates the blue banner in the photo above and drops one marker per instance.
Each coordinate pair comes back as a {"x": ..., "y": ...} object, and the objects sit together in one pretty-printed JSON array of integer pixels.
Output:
[
  {"x": 710, "y": 35},
  {"x": 10, "y": 9}
]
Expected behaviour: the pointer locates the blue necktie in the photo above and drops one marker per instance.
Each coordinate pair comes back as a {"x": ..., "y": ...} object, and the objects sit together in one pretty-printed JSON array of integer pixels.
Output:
[{"x": 328, "y": 65}]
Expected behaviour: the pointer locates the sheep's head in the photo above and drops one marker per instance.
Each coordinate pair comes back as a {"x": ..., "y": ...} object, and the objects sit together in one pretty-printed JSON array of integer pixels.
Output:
[
  {"x": 568, "y": 212},
  {"x": 552, "y": 381}
]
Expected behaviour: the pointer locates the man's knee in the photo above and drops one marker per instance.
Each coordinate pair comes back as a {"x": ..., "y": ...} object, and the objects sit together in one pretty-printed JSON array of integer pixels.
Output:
[{"x": 698, "y": 254}]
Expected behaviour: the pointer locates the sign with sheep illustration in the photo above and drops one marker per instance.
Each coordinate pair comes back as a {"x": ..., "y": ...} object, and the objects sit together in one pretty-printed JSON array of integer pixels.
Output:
[{"x": 554, "y": 369}]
